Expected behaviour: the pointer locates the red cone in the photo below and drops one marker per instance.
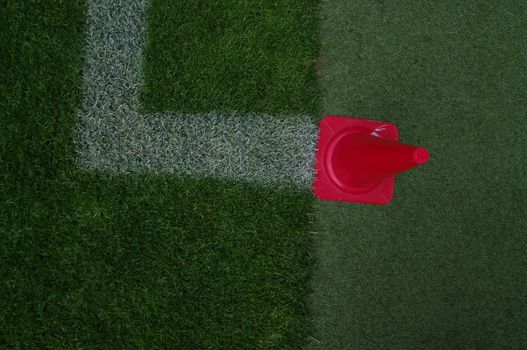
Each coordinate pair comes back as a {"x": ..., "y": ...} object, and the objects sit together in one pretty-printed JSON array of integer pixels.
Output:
[{"x": 358, "y": 159}]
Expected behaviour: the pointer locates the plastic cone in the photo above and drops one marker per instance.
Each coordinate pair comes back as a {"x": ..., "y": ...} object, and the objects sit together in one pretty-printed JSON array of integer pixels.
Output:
[
  {"x": 361, "y": 161},
  {"x": 357, "y": 160}
]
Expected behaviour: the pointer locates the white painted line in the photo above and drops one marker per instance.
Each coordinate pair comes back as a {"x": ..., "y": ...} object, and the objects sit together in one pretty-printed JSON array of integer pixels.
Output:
[{"x": 114, "y": 137}]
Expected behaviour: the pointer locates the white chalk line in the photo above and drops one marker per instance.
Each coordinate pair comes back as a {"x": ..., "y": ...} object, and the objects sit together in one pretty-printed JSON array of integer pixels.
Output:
[{"x": 114, "y": 137}]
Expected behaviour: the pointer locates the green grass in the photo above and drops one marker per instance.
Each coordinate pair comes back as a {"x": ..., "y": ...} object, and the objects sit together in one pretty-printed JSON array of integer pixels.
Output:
[
  {"x": 241, "y": 55},
  {"x": 90, "y": 261},
  {"x": 443, "y": 266}
]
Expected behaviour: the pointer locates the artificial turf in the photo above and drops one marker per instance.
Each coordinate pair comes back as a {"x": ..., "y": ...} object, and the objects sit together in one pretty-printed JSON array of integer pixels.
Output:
[
  {"x": 95, "y": 261},
  {"x": 239, "y": 55},
  {"x": 443, "y": 266}
]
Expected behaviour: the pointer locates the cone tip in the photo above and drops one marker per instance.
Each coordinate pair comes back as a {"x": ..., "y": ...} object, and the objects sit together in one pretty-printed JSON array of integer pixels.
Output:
[{"x": 421, "y": 155}]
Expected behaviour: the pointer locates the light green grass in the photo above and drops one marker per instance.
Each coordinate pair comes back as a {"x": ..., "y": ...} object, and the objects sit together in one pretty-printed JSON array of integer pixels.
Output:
[
  {"x": 90, "y": 261},
  {"x": 443, "y": 266}
]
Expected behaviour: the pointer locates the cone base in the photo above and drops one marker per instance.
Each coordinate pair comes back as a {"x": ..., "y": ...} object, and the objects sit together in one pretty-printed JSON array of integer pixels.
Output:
[{"x": 326, "y": 185}]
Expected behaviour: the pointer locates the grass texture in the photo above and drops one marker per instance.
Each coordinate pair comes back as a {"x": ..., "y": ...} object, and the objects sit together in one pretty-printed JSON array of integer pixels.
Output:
[
  {"x": 241, "y": 55},
  {"x": 94, "y": 261},
  {"x": 443, "y": 266},
  {"x": 115, "y": 137}
]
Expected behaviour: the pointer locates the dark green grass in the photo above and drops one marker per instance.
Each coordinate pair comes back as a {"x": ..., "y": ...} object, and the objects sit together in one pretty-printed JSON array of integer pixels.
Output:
[
  {"x": 241, "y": 55},
  {"x": 443, "y": 266},
  {"x": 88, "y": 261}
]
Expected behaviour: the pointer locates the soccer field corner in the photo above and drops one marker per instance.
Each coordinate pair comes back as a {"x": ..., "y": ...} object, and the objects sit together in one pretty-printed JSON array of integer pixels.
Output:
[{"x": 157, "y": 162}]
